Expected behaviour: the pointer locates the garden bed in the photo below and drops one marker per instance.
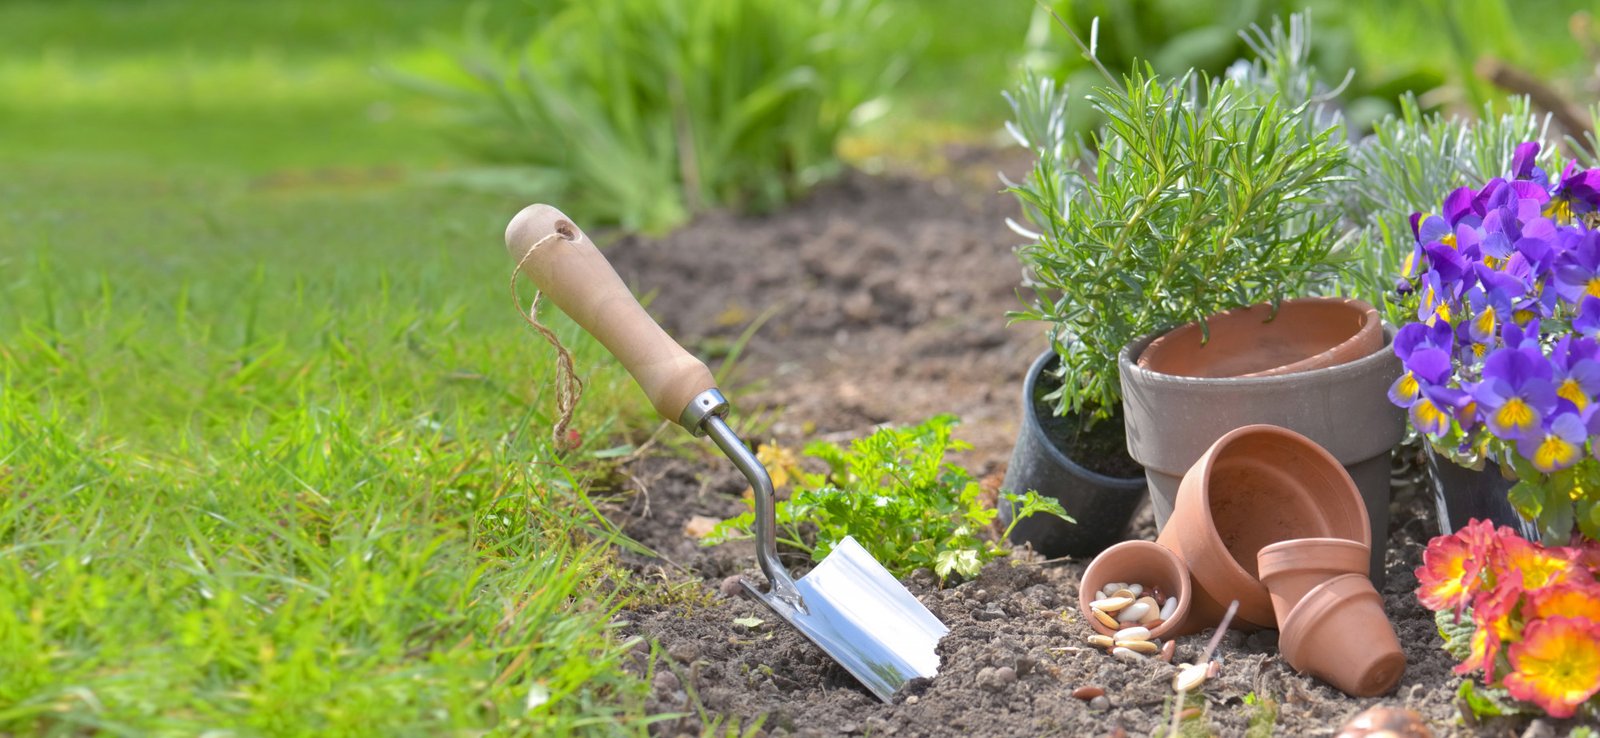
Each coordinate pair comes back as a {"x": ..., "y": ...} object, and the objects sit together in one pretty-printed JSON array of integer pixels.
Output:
[{"x": 892, "y": 294}]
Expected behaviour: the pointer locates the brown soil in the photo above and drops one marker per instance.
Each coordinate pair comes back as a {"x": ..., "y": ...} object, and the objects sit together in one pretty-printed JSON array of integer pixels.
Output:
[{"x": 890, "y": 296}]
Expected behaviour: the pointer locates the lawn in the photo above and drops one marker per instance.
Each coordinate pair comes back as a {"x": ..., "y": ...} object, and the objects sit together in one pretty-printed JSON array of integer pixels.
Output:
[{"x": 272, "y": 437}]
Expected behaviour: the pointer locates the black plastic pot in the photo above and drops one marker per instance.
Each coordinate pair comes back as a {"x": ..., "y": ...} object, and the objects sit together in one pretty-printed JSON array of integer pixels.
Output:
[
  {"x": 1462, "y": 495},
  {"x": 1102, "y": 505}
]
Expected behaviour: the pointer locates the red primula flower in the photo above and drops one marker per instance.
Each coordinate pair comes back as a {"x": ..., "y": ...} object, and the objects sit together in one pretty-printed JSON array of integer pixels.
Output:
[
  {"x": 1540, "y": 567},
  {"x": 1453, "y": 567},
  {"x": 1579, "y": 598},
  {"x": 1494, "y": 613},
  {"x": 1557, "y": 664}
]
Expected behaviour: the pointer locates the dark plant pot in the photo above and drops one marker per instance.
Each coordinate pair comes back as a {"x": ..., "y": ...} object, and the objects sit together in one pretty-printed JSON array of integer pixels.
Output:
[
  {"x": 1171, "y": 421},
  {"x": 1102, "y": 505},
  {"x": 1461, "y": 495}
]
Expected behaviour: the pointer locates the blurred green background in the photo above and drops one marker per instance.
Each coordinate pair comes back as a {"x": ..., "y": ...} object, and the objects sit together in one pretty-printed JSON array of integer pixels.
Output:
[{"x": 273, "y": 446}]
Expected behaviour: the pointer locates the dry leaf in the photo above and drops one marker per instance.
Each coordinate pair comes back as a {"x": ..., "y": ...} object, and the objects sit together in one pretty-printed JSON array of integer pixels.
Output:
[{"x": 699, "y": 526}]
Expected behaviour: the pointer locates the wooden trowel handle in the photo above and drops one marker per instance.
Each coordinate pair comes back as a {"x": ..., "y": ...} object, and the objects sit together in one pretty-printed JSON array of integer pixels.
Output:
[{"x": 577, "y": 278}]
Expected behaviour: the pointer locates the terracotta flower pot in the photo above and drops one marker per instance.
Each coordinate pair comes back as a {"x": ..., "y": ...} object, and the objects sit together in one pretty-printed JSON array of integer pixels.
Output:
[
  {"x": 1307, "y": 333},
  {"x": 1340, "y": 634},
  {"x": 1256, "y": 486},
  {"x": 1172, "y": 420},
  {"x": 1146, "y": 563},
  {"x": 1102, "y": 505},
  {"x": 1290, "y": 569}
]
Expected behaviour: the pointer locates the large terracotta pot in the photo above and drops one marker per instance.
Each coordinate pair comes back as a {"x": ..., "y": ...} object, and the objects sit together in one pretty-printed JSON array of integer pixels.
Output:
[
  {"x": 1102, "y": 505},
  {"x": 1254, "y": 487},
  {"x": 1171, "y": 420},
  {"x": 1306, "y": 333}
]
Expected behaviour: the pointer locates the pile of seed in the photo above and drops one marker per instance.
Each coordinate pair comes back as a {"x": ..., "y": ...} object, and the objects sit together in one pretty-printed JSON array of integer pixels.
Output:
[{"x": 1132, "y": 611}]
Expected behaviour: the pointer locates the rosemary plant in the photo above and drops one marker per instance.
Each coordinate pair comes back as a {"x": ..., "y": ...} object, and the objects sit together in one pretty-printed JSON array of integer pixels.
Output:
[{"x": 1202, "y": 195}]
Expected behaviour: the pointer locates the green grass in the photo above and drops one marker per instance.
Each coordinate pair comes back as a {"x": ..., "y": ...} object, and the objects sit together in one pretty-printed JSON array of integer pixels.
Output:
[{"x": 273, "y": 443}]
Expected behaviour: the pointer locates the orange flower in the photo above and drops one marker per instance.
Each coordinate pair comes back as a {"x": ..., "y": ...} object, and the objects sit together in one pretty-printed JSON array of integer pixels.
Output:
[
  {"x": 1585, "y": 553},
  {"x": 1579, "y": 598},
  {"x": 1557, "y": 664},
  {"x": 1452, "y": 567},
  {"x": 1540, "y": 567},
  {"x": 1494, "y": 613}
]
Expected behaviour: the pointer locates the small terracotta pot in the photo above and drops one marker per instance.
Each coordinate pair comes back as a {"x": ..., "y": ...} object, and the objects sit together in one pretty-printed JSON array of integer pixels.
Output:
[
  {"x": 1290, "y": 569},
  {"x": 1146, "y": 563},
  {"x": 1340, "y": 634},
  {"x": 1254, "y": 487},
  {"x": 1307, "y": 333}
]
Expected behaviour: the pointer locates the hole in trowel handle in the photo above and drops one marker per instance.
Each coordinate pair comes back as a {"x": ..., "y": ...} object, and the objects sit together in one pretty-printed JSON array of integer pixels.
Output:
[{"x": 567, "y": 230}]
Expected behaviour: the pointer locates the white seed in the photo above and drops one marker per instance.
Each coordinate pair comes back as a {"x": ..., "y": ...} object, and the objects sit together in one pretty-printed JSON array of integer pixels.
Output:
[
  {"x": 1112, "y": 587},
  {"x": 1136, "y": 589},
  {"x": 1124, "y": 592},
  {"x": 1168, "y": 609},
  {"x": 1140, "y": 646},
  {"x": 1191, "y": 676},
  {"x": 1101, "y": 641},
  {"x": 1111, "y": 604},
  {"x": 1133, "y": 613},
  {"x": 1129, "y": 654},
  {"x": 1136, "y": 633}
]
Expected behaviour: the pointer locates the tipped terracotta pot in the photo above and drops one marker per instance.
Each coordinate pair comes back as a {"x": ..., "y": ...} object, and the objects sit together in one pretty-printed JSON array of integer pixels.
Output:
[
  {"x": 1142, "y": 562},
  {"x": 1256, "y": 486},
  {"x": 1306, "y": 333},
  {"x": 1340, "y": 634},
  {"x": 1172, "y": 420},
  {"x": 1290, "y": 569}
]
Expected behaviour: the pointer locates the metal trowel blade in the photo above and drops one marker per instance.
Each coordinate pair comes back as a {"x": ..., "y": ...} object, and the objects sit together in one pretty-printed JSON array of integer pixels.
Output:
[{"x": 856, "y": 612}]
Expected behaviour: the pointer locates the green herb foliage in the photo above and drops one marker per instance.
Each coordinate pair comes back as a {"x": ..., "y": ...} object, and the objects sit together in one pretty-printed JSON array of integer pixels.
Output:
[
  {"x": 642, "y": 112},
  {"x": 1204, "y": 195},
  {"x": 895, "y": 493}
]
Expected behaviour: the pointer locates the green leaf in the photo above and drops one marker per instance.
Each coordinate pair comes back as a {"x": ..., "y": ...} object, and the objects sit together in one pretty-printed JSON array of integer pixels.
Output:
[
  {"x": 751, "y": 622},
  {"x": 1456, "y": 632},
  {"x": 1488, "y": 701}
]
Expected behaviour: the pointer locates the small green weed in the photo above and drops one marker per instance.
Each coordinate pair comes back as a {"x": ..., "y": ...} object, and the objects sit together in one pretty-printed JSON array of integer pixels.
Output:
[
  {"x": 1263, "y": 716},
  {"x": 895, "y": 493}
]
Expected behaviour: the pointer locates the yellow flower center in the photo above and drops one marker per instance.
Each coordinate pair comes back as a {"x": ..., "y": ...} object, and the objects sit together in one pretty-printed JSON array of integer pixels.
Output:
[
  {"x": 1594, "y": 287},
  {"x": 1515, "y": 414},
  {"x": 1555, "y": 453},
  {"x": 1559, "y": 210},
  {"x": 1485, "y": 322},
  {"x": 1522, "y": 316},
  {"x": 1449, "y": 239},
  {"x": 1570, "y": 390},
  {"x": 1408, "y": 386}
]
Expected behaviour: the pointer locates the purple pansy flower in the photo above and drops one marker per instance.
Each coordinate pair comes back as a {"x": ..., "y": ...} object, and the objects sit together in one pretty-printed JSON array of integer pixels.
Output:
[
  {"x": 1558, "y": 443},
  {"x": 1516, "y": 393}
]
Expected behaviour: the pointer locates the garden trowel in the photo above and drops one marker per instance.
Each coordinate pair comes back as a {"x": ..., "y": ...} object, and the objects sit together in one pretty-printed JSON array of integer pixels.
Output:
[{"x": 849, "y": 605}]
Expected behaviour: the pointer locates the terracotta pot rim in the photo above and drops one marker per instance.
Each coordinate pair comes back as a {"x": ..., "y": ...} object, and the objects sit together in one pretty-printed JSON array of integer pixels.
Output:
[
  {"x": 1274, "y": 557},
  {"x": 1184, "y": 593},
  {"x": 1367, "y": 315},
  {"x": 1128, "y": 364},
  {"x": 1031, "y": 424},
  {"x": 1315, "y": 606}
]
